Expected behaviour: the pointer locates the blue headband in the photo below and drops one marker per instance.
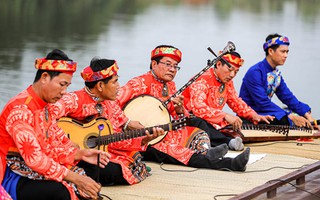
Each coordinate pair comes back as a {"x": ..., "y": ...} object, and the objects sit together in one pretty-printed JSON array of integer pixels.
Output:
[{"x": 276, "y": 41}]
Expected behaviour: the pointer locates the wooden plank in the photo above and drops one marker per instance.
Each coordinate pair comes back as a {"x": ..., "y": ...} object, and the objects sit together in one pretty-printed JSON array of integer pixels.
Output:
[{"x": 271, "y": 186}]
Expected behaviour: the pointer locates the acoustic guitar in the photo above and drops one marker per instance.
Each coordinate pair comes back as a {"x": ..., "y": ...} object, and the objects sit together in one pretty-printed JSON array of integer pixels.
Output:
[
  {"x": 86, "y": 135},
  {"x": 267, "y": 132}
]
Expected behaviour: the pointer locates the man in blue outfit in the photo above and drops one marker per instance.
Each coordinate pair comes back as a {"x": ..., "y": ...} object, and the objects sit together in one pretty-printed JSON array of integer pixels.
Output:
[{"x": 263, "y": 80}]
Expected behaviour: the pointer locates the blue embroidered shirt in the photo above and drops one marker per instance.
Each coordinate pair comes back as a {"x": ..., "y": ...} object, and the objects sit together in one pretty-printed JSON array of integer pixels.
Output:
[{"x": 258, "y": 86}]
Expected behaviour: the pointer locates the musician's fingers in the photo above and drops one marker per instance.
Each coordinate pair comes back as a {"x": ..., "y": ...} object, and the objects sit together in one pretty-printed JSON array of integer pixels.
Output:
[
  {"x": 104, "y": 159},
  {"x": 308, "y": 124},
  {"x": 177, "y": 104},
  {"x": 236, "y": 126},
  {"x": 265, "y": 119},
  {"x": 89, "y": 187},
  {"x": 147, "y": 133},
  {"x": 160, "y": 131},
  {"x": 178, "y": 101},
  {"x": 84, "y": 194},
  {"x": 154, "y": 133},
  {"x": 181, "y": 97},
  {"x": 239, "y": 125},
  {"x": 106, "y": 154},
  {"x": 271, "y": 118},
  {"x": 150, "y": 136}
]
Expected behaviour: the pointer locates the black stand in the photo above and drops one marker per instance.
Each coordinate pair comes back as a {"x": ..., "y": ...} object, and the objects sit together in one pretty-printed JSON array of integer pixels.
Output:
[{"x": 100, "y": 127}]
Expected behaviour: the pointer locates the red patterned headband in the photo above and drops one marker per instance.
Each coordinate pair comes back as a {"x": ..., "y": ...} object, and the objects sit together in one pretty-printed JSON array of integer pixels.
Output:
[
  {"x": 89, "y": 76},
  {"x": 56, "y": 65},
  {"x": 234, "y": 60},
  {"x": 168, "y": 52}
]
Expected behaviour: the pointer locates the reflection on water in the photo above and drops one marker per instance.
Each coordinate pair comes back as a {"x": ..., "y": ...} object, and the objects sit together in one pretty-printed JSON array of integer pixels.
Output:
[{"x": 128, "y": 30}]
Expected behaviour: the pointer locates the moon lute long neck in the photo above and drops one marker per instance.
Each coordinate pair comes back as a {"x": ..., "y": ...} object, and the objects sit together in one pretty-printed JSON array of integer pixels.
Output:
[
  {"x": 186, "y": 85},
  {"x": 229, "y": 48}
]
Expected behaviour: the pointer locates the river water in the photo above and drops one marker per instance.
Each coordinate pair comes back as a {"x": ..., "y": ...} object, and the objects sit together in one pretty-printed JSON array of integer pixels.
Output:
[{"x": 127, "y": 31}]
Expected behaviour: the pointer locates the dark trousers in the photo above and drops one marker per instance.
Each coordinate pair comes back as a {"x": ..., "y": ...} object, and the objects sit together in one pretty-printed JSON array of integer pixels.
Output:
[
  {"x": 110, "y": 175},
  {"x": 216, "y": 138},
  {"x": 196, "y": 160},
  {"x": 39, "y": 190}
]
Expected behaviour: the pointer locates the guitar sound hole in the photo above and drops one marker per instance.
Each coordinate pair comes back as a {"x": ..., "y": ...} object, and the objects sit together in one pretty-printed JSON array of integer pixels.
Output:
[{"x": 92, "y": 142}]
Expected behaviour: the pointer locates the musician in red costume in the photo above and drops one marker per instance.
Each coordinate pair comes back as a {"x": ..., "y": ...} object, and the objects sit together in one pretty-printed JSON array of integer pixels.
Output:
[
  {"x": 158, "y": 82},
  {"x": 96, "y": 99},
  {"x": 208, "y": 95},
  {"x": 38, "y": 161}
]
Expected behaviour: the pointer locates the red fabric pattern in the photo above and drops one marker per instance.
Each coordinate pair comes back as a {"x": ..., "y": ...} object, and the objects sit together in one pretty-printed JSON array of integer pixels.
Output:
[
  {"x": 43, "y": 147},
  {"x": 206, "y": 101},
  {"x": 55, "y": 65},
  {"x": 79, "y": 105},
  {"x": 173, "y": 142}
]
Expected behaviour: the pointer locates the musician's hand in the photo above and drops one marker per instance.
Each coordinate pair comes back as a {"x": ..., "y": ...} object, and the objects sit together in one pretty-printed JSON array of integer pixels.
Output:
[
  {"x": 178, "y": 104},
  {"x": 134, "y": 125},
  {"x": 258, "y": 118},
  {"x": 86, "y": 185},
  {"x": 235, "y": 121},
  {"x": 300, "y": 121},
  {"x": 309, "y": 117},
  {"x": 156, "y": 132},
  {"x": 91, "y": 156}
]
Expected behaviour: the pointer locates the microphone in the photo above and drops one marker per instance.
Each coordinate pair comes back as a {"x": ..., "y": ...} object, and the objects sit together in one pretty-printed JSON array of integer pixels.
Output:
[{"x": 100, "y": 127}]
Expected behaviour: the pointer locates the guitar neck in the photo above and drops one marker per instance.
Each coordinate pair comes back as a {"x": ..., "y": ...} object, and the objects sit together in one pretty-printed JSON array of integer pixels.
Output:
[
  {"x": 230, "y": 47},
  {"x": 107, "y": 139}
]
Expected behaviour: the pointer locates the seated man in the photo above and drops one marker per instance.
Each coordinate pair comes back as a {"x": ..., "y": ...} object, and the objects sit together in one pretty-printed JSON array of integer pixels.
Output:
[
  {"x": 38, "y": 161},
  {"x": 96, "y": 99},
  {"x": 158, "y": 82},
  {"x": 264, "y": 79},
  {"x": 207, "y": 96}
]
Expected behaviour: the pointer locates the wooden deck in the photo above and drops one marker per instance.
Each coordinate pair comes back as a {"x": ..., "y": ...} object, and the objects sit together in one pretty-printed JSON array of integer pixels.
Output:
[{"x": 282, "y": 159}]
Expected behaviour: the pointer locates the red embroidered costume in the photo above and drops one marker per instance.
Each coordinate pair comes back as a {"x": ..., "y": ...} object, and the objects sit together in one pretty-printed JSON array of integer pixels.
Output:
[
  {"x": 207, "y": 96},
  {"x": 173, "y": 142},
  {"x": 80, "y": 105},
  {"x": 25, "y": 128},
  {"x": 173, "y": 149}
]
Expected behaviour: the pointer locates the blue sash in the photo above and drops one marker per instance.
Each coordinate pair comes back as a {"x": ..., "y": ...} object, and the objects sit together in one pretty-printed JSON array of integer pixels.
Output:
[{"x": 10, "y": 182}]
